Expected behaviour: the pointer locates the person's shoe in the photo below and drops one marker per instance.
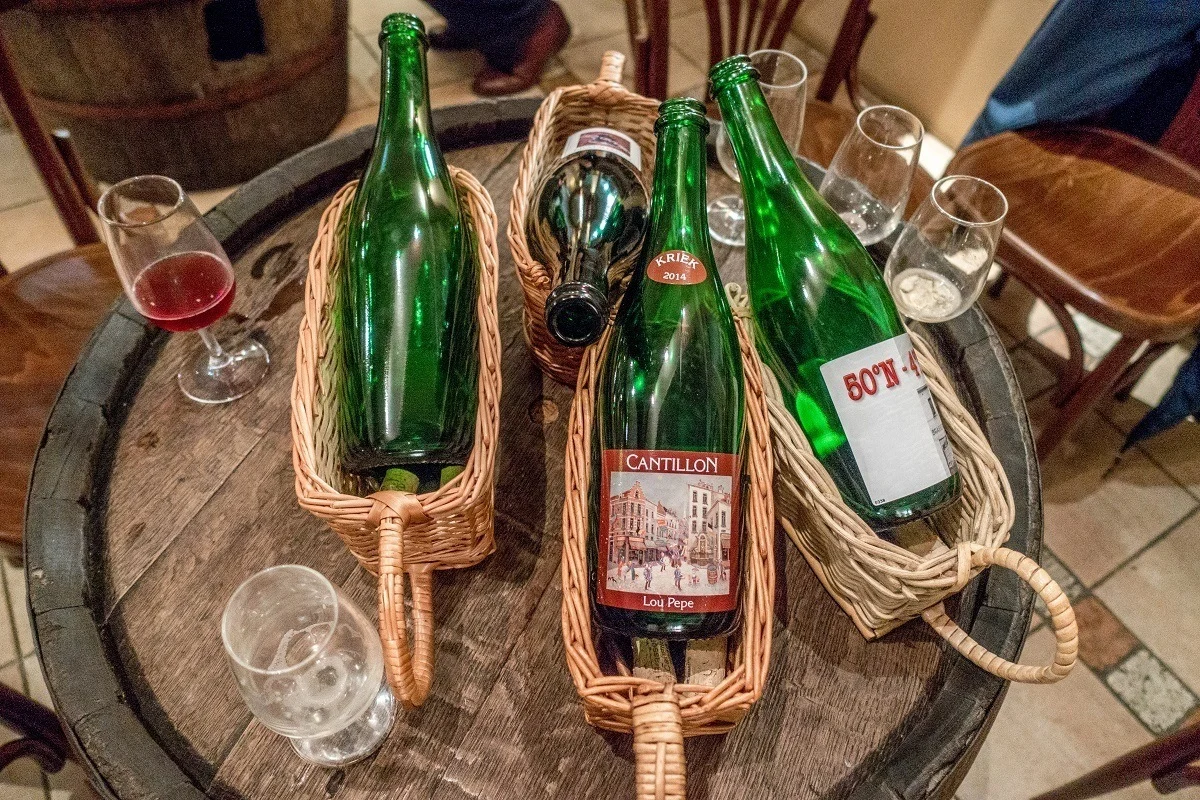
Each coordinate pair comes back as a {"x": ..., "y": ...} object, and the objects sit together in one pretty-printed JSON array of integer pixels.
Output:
[
  {"x": 445, "y": 38},
  {"x": 548, "y": 37}
]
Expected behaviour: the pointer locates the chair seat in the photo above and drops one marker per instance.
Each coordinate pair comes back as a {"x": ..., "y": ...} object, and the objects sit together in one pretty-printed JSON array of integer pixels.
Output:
[
  {"x": 1100, "y": 221},
  {"x": 47, "y": 311},
  {"x": 825, "y": 125}
]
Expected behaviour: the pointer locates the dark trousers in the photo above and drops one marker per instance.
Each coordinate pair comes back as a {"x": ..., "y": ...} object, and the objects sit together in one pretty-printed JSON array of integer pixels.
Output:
[{"x": 497, "y": 28}]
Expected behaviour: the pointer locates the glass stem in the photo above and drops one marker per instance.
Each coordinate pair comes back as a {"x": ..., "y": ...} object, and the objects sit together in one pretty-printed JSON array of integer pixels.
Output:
[{"x": 217, "y": 357}]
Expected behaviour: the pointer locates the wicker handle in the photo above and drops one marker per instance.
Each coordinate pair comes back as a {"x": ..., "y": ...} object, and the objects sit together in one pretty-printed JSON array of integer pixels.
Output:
[
  {"x": 612, "y": 65},
  {"x": 1062, "y": 619},
  {"x": 658, "y": 746},
  {"x": 409, "y": 669}
]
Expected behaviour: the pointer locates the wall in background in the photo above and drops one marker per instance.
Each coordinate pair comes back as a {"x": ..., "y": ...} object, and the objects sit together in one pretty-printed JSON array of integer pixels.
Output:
[{"x": 938, "y": 58}]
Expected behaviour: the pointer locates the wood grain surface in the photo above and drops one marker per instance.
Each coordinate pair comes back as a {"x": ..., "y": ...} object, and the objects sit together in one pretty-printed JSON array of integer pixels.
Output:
[{"x": 200, "y": 498}]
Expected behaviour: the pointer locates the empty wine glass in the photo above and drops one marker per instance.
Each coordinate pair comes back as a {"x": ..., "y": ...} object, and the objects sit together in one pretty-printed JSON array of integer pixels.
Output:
[
  {"x": 309, "y": 664},
  {"x": 178, "y": 276},
  {"x": 869, "y": 179},
  {"x": 783, "y": 78},
  {"x": 940, "y": 262}
]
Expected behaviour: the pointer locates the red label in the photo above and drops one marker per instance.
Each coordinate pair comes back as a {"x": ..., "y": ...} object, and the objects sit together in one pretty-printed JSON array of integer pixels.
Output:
[
  {"x": 677, "y": 267},
  {"x": 670, "y": 526}
]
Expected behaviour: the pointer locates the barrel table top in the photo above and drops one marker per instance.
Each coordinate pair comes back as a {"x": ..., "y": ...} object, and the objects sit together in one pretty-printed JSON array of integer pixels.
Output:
[{"x": 146, "y": 511}]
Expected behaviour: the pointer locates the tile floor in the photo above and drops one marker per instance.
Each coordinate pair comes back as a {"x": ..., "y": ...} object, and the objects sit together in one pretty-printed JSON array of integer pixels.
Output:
[{"x": 1122, "y": 538}]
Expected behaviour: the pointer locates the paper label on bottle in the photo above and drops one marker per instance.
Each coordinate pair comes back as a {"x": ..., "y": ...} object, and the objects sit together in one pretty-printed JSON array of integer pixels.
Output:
[
  {"x": 670, "y": 524},
  {"x": 890, "y": 420},
  {"x": 605, "y": 139},
  {"x": 676, "y": 267}
]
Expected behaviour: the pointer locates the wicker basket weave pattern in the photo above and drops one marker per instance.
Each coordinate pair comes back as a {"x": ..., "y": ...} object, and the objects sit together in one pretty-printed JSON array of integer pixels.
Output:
[
  {"x": 882, "y": 585},
  {"x": 396, "y": 535},
  {"x": 604, "y": 102},
  {"x": 658, "y": 715}
]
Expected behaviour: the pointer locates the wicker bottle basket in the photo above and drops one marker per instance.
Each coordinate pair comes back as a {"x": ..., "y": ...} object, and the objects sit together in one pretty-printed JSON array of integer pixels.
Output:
[
  {"x": 882, "y": 585},
  {"x": 604, "y": 102},
  {"x": 395, "y": 535},
  {"x": 661, "y": 715}
]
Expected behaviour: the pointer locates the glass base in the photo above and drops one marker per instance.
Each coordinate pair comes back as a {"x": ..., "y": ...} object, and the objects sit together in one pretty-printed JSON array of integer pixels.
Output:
[
  {"x": 727, "y": 220},
  {"x": 357, "y": 740},
  {"x": 219, "y": 380}
]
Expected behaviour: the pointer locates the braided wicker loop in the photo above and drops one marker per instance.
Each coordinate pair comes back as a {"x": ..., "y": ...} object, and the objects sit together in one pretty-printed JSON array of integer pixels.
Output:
[
  {"x": 604, "y": 102},
  {"x": 611, "y": 701},
  {"x": 1062, "y": 619},
  {"x": 396, "y": 535},
  {"x": 882, "y": 585},
  {"x": 658, "y": 746}
]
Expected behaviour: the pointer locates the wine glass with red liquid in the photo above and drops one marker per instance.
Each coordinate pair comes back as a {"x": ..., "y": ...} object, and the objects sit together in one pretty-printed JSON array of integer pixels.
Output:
[{"x": 179, "y": 277}]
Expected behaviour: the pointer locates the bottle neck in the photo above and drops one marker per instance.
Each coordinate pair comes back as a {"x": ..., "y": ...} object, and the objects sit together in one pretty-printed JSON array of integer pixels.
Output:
[
  {"x": 678, "y": 218},
  {"x": 763, "y": 156},
  {"x": 404, "y": 116}
]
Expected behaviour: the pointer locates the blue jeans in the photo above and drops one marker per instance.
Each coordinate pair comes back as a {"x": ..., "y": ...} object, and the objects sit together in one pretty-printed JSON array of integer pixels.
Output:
[{"x": 496, "y": 28}]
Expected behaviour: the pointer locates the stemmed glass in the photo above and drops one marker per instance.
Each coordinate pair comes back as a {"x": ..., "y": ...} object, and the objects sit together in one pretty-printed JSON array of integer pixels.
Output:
[
  {"x": 178, "y": 276},
  {"x": 783, "y": 79},
  {"x": 309, "y": 664},
  {"x": 869, "y": 179},
  {"x": 940, "y": 262}
]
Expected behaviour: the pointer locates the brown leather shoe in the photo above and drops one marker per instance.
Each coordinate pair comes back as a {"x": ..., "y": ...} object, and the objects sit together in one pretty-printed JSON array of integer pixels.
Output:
[{"x": 550, "y": 36}]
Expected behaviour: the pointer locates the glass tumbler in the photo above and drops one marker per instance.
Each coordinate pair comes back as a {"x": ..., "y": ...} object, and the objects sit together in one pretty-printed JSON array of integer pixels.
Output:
[
  {"x": 940, "y": 262},
  {"x": 869, "y": 179},
  {"x": 309, "y": 664}
]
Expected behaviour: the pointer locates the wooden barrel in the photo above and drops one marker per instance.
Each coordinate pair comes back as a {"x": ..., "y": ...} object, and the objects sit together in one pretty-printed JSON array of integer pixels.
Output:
[
  {"x": 210, "y": 92},
  {"x": 146, "y": 511}
]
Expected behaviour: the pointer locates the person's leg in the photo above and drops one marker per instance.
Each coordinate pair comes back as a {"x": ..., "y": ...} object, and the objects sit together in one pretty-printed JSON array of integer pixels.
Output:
[{"x": 496, "y": 28}]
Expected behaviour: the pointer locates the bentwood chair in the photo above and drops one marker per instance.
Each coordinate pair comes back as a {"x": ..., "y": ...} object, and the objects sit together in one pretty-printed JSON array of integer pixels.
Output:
[
  {"x": 742, "y": 27},
  {"x": 47, "y": 309},
  {"x": 1106, "y": 224}
]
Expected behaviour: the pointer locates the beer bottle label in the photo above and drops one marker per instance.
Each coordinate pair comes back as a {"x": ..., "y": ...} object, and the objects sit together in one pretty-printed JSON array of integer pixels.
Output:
[
  {"x": 605, "y": 139},
  {"x": 677, "y": 268},
  {"x": 890, "y": 420},
  {"x": 670, "y": 523}
]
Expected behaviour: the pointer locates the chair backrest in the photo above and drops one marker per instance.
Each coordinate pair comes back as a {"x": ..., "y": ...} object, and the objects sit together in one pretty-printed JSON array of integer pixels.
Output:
[
  {"x": 1182, "y": 137},
  {"x": 742, "y": 26}
]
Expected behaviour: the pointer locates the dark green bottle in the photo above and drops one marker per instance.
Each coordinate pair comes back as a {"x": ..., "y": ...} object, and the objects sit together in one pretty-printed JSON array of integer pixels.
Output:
[
  {"x": 667, "y": 469},
  {"x": 410, "y": 284},
  {"x": 829, "y": 329}
]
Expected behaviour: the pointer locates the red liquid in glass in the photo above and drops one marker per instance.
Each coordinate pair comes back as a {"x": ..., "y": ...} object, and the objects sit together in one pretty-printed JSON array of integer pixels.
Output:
[{"x": 185, "y": 291}]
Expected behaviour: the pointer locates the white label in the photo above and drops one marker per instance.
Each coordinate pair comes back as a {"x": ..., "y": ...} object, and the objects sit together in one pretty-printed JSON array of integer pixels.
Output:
[
  {"x": 605, "y": 139},
  {"x": 890, "y": 420}
]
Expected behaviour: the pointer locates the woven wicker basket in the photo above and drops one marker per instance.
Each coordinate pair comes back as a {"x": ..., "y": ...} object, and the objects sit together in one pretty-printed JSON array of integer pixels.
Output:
[
  {"x": 882, "y": 585},
  {"x": 397, "y": 534},
  {"x": 604, "y": 102},
  {"x": 661, "y": 715}
]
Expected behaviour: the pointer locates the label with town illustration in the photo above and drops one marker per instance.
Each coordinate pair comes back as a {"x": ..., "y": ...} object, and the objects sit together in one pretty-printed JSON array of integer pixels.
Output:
[
  {"x": 890, "y": 420},
  {"x": 670, "y": 524},
  {"x": 605, "y": 139}
]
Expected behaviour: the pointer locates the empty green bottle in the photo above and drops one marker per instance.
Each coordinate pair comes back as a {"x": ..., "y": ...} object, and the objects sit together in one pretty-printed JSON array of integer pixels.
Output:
[
  {"x": 828, "y": 327},
  {"x": 667, "y": 469},
  {"x": 410, "y": 282}
]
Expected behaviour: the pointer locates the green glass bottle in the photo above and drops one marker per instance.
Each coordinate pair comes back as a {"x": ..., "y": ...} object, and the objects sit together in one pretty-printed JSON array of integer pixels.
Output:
[
  {"x": 410, "y": 282},
  {"x": 828, "y": 327},
  {"x": 667, "y": 469}
]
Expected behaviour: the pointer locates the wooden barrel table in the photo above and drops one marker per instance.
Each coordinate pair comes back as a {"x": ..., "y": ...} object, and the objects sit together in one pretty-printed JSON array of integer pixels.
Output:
[{"x": 146, "y": 511}]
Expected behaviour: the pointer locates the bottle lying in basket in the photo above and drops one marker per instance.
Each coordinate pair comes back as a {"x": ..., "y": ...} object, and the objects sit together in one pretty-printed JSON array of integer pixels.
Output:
[
  {"x": 828, "y": 328},
  {"x": 588, "y": 216},
  {"x": 407, "y": 309},
  {"x": 667, "y": 476}
]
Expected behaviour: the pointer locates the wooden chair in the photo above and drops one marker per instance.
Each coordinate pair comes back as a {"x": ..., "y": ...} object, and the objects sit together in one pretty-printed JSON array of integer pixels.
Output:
[
  {"x": 47, "y": 309},
  {"x": 765, "y": 24},
  {"x": 1166, "y": 763},
  {"x": 1106, "y": 224}
]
